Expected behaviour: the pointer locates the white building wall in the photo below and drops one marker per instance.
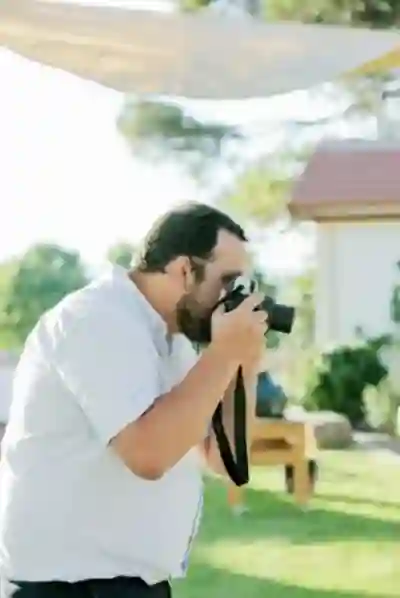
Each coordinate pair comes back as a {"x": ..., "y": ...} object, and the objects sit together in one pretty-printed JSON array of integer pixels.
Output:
[{"x": 356, "y": 274}]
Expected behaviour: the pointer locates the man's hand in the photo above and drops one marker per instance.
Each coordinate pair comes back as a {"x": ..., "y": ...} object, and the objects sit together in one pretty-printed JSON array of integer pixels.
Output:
[{"x": 241, "y": 332}]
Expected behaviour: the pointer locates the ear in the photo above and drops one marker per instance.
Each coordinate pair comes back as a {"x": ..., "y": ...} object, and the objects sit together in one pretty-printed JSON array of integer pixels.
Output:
[
  {"x": 181, "y": 272},
  {"x": 187, "y": 273}
]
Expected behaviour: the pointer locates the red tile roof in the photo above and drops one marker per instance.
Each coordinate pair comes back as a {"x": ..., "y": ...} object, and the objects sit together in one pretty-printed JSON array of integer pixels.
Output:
[{"x": 357, "y": 172}]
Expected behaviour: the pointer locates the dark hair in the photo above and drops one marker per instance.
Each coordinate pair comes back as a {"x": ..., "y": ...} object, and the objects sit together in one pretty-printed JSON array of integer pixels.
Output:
[{"x": 190, "y": 230}]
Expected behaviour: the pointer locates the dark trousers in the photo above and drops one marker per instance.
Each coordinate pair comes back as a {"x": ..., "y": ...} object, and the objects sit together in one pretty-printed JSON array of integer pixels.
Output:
[{"x": 118, "y": 587}]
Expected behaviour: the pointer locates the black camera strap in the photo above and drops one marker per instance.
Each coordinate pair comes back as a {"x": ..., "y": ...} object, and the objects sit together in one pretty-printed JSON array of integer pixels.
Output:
[{"x": 238, "y": 470}]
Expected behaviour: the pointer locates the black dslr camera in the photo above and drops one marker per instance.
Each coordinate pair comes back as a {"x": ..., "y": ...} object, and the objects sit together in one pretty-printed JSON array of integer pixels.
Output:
[{"x": 280, "y": 317}]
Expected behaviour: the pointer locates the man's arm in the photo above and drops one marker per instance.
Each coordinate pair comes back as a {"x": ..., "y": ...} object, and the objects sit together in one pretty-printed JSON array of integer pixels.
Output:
[
  {"x": 171, "y": 417},
  {"x": 209, "y": 447},
  {"x": 119, "y": 392}
]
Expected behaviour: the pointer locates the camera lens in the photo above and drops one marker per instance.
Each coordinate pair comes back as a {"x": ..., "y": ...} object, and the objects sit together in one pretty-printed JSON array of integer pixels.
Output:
[{"x": 281, "y": 318}]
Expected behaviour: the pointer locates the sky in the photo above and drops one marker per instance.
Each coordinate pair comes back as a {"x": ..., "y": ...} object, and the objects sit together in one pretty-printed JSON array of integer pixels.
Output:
[{"x": 68, "y": 177}]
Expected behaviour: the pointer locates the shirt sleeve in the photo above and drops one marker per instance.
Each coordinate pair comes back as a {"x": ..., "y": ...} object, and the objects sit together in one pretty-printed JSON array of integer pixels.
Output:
[
  {"x": 190, "y": 358},
  {"x": 111, "y": 369}
]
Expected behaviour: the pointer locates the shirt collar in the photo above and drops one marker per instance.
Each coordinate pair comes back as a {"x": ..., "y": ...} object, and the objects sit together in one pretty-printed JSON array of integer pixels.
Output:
[{"x": 159, "y": 327}]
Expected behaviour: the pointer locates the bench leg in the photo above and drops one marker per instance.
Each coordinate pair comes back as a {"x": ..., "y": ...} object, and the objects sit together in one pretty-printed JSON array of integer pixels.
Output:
[
  {"x": 236, "y": 499},
  {"x": 312, "y": 472},
  {"x": 302, "y": 483}
]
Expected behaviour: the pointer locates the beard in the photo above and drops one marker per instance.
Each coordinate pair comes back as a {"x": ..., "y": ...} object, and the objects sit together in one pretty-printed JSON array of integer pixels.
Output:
[{"x": 194, "y": 321}]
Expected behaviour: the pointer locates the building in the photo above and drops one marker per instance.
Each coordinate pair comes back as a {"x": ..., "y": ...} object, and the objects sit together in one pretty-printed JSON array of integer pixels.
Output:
[{"x": 351, "y": 189}]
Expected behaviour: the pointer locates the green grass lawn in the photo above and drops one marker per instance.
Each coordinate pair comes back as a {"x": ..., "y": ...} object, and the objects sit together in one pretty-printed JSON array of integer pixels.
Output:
[{"x": 345, "y": 545}]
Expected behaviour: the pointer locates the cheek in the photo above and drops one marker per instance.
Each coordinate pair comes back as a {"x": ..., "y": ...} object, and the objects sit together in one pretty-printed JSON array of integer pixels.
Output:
[{"x": 209, "y": 295}]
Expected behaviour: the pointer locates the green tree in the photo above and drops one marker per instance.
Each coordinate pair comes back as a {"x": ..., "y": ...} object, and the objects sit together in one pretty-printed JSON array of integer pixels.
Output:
[
  {"x": 260, "y": 194},
  {"x": 7, "y": 271},
  {"x": 162, "y": 130},
  {"x": 45, "y": 274},
  {"x": 253, "y": 7},
  {"x": 371, "y": 13},
  {"x": 395, "y": 298},
  {"x": 191, "y": 5},
  {"x": 121, "y": 254}
]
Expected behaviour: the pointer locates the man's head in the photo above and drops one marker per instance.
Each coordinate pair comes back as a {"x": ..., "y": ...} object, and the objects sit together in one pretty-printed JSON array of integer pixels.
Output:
[{"x": 196, "y": 251}]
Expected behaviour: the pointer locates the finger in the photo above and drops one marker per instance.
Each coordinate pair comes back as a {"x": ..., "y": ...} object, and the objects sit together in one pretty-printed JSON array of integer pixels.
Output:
[
  {"x": 252, "y": 301},
  {"x": 261, "y": 316}
]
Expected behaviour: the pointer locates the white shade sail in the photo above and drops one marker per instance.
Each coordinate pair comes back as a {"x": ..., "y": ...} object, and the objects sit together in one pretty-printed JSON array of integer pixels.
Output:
[{"x": 196, "y": 56}]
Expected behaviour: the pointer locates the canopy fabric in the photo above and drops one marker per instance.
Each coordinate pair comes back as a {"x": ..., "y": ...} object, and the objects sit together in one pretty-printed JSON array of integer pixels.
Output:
[{"x": 192, "y": 56}]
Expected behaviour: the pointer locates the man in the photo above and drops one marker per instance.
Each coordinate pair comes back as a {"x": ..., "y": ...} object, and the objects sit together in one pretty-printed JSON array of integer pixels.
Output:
[{"x": 100, "y": 484}]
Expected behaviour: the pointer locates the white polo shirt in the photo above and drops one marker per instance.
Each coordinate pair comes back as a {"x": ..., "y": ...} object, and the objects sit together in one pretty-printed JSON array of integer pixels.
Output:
[{"x": 69, "y": 507}]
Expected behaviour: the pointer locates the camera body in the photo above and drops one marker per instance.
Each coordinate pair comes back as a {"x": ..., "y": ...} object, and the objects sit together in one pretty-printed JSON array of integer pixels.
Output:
[{"x": 280, "y": 317}]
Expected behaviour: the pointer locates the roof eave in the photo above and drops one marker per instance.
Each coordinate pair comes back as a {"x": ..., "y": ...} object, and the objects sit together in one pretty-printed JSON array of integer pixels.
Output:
[{"x": 346, "y": 211}]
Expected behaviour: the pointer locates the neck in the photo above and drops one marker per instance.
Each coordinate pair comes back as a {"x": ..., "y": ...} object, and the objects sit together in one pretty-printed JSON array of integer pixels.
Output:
[{"x": 153, "y": 288}]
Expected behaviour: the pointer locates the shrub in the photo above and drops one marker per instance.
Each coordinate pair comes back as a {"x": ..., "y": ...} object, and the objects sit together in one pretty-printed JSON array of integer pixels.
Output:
[{"x": 340, "y": 377}]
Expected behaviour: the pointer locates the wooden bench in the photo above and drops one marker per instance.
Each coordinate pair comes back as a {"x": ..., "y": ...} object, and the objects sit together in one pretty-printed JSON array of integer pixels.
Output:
[{"x": 281, "y": 442}]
